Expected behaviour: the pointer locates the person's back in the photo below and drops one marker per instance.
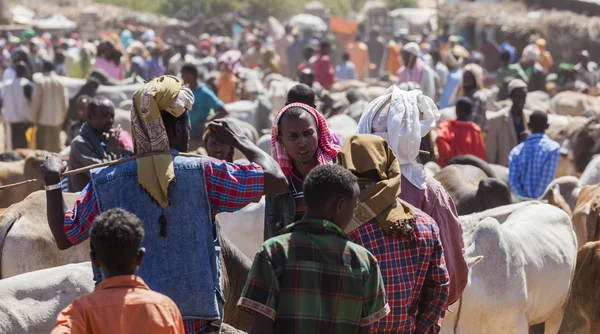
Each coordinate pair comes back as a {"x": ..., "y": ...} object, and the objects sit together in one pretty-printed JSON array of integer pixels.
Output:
[
  {"x": 460, "y": 136},
  {"x": 122, "y": 303},
  {"x": 311, "y": 278},
  {"x": 346, "y": 69},
  {"x": 533, "y": 163},
  {"x": 405, "y": 241},
  {"x": 359, "y": 56}
]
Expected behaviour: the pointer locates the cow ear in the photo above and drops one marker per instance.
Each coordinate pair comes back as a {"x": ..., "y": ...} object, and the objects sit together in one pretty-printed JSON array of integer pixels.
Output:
[{"x": 473, "y": 261}]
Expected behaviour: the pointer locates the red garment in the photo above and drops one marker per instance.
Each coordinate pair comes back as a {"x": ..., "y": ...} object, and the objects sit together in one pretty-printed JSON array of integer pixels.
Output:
[
  {"x": 324, "y": 72},
  {"x": 457, "y": 138}
]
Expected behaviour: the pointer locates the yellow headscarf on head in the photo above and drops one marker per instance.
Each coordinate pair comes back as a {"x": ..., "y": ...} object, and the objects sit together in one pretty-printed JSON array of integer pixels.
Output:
[
  {"x": 163, "y": 94},
  {"x": 373, "y": 162}
]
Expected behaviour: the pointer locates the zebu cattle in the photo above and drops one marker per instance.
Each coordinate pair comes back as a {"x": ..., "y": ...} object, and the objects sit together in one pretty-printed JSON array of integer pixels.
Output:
[
  {"x": 582, "y": 315},
  {"x": 17, "y": 171},
  {"x": 586, "y": 215},
  {"x": 343, "y": 126},
  {"x": 532, "y": 253},
  {"x": 29, "y": 303},
  {"x": 256, "y": 113},
  {"x": 591, "y": 174},
  {"x": 264, "y": 143},
  {"x": 575, "y": 104},
  {"x": 245, "y": 228},
  {"x": 116, "y": 94}
]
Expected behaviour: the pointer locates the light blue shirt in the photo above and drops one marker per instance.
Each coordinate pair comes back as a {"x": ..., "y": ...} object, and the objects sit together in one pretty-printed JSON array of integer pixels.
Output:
[
  {"x": 346, "y": 71},
  {"x": 454, "y": 79}
]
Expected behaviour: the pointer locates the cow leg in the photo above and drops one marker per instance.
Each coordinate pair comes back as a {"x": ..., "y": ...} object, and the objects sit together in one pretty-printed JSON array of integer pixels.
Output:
[{"x": 552, "y": 324}]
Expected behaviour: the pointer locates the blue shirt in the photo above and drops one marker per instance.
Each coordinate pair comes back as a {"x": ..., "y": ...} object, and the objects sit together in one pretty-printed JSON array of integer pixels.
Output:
[
  {"x": 204, "y": 101},
  {"x": 346, "y": 71},
  {"x": 532, "y": 165},
  {"x": 454, "y": 78}
]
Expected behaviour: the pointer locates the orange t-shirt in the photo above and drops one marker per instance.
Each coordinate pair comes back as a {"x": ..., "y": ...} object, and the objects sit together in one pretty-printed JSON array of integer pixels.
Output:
[
  {"x": 121, "y": 304},
  {"x": 456, "y": 138},
  {"x": 227, "y": 86},
  {"x": 359, "y": 56},
  {"x": 394, "y": 61}
]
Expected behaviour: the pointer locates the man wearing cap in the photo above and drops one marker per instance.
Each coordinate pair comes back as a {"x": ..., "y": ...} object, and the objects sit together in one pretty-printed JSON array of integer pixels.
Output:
[
  {"x": 415, "y": 70},
  {"x": 507, "y": 127}
]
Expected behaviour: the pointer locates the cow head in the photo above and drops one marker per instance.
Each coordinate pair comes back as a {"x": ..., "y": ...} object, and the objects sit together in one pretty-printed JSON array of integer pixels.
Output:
[
  {"x": 33, "y": 161},
  {"x": 584, "y": 143},
  {"x": 493, "y": 193}
]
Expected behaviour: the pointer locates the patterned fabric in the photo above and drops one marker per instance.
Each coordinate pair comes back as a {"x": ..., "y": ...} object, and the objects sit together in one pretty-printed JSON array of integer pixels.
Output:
[
  {"x": 199, "y": 326},
  {"x": 230, "y": 188},
  {"x": 532, "y": 165},
  {"x": 414, "y": 273},
  {"x": 164, "y": 94},
  {"x": 311, "y": 279},
  {"x": 327, "y": 150}
]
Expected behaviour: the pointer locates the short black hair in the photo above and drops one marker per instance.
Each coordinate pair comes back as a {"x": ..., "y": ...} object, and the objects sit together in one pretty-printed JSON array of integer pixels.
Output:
[
  {"x": 189, "y": 68},
  {"x": 345, "y": 56},
  {"x": 301, "y": 93},
  {"x": 325, "y": 45},
  {"x": 538, "y": 121},
  {"x": 171, "y": 122},
  {"x": 48, "y": 66},
  {"x": 327, "y": 182},
  {"x": 464, "y": 104},
  {"x": 292, "y": 112},
  {"x": 359, "y": 38},
  {"x": 115, "y": 238},
  {"x": 21, "y": 69},
  {"x": 99, "y": 102}
]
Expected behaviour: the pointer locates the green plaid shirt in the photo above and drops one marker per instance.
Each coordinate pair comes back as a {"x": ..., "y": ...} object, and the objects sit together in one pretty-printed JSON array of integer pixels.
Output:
[{"x": 312, "y": 279}]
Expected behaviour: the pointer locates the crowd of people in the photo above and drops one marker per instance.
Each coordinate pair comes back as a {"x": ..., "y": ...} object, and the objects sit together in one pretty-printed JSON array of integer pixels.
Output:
[{"x": 358, "y": 237}]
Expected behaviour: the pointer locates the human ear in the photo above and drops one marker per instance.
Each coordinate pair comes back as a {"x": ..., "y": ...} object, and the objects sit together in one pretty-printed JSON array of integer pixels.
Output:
[
  {"x": 95, "y": 261},
  {"x": 140, "y": 256}
]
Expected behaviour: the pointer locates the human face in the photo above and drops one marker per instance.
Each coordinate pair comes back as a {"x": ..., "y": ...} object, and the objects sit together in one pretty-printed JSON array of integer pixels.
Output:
[
  {"x": 102, "y": 119},
  {"x": 299, "y": 137},
  {"x": 218, "y": 151},
  {"x": 189, "y": 79},
  {"x": 469, "y": 81},
  {"x": 518, "y": 97},
  {"x": 345, "y": 207}
]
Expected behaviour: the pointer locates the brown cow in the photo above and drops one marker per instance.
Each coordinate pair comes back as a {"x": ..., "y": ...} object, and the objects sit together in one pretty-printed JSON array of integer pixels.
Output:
[
  {"x": 582, "y": 314},
  {"x": 17, "y": 171},
  {"x": 586, "y": 216}
]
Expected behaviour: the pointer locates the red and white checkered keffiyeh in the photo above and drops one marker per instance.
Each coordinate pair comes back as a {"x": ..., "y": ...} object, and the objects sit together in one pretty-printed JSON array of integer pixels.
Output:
[{"x": 326, "y": 152}]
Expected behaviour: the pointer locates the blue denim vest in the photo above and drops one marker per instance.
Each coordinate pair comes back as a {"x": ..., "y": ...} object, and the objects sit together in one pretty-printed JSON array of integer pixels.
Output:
[{"x": 183, "y": 265}]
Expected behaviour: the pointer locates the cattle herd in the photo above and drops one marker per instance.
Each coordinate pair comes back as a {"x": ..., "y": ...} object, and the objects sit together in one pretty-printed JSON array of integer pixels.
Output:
[{"x": 531, "y": 262}]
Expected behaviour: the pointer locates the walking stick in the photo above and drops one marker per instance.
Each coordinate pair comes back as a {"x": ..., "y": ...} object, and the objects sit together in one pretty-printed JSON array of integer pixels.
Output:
[{"x": 88, "y": 168}]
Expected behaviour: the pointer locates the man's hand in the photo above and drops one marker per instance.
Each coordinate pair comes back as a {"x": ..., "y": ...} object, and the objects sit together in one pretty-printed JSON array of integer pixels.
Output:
[
  {"x": 52, "y": 169},
  {"x": 227, "y": 132},
  {"x": 113, "y": 141}
]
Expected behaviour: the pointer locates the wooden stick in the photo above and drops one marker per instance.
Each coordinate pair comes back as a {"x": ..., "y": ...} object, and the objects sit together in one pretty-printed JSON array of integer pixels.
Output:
[{"x": 88, "y": 168}]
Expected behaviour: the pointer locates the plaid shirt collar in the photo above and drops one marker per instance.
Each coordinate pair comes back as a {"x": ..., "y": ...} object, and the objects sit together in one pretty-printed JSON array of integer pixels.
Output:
[{"x": 320, "y": 226}]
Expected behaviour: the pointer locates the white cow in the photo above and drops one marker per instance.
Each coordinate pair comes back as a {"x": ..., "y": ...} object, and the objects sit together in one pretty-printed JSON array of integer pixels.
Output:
[
  {"x": 30, "y": 302},
  {"x": 18, "y": 224},
  {"x": 524, "y": 277},
  {"x": 343, "y": 126},
  {"x": 245, "y": 228},
  {"x": 591, "y": 174}
]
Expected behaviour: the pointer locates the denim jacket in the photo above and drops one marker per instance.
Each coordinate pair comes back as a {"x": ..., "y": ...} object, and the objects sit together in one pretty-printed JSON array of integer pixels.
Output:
[{"x": 183, "y": 263}]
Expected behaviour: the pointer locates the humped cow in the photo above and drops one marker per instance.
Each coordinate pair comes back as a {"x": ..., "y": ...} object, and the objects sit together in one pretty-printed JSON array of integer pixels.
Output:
[
  {"x": 591, "y": 174},
  {"x": 532, "y": 253},
  {"x": 586, "y": 216},
  {"x": 582, "y": 315},
  {"x": 17, "y": 171}
]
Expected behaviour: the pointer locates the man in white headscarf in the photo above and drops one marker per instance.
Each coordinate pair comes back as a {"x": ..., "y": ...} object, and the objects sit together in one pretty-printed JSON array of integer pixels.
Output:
[
  {"x": 415, "y": 70},
  {"x": 402, "y": 118},
  {"x": 536, "y": 74}
]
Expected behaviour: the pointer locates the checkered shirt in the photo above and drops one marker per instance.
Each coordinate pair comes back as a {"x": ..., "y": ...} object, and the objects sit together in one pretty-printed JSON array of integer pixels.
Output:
[
  {"x": 311, "y": 279},
  {"x": 532, "y": 165},
  {"x": 414, "y": 273},
  {"x": 230, "y": 187}
]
